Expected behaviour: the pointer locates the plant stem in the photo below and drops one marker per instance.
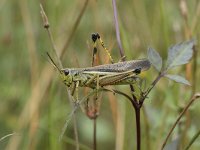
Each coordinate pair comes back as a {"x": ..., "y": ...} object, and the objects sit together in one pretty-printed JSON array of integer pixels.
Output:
[
  {"x": 134, "y": 99},
  {"x": 47, "y": 27},
  {"x": 121, "y": 50},
  {"x": 76, "y": 131},
  {"x": 137, "y": 116},
  {"x": 193, "y": 140}
]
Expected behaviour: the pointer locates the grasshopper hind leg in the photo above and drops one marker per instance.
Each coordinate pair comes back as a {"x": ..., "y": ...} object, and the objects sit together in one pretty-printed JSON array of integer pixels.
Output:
[
  {"x": 94, "y": 52},
  {"x": 96, "y": 37}
]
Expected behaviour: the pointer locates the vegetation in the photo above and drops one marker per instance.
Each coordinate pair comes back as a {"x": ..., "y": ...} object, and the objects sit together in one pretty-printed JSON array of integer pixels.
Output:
[{"x": 35, "y": 104}]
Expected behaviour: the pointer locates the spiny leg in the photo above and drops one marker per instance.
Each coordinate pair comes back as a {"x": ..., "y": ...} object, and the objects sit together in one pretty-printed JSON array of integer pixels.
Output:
[
  {"x": 91, "y": 109},
  {"x": 95, "y": 37},
  {"x": 93, "y": 112},
  {"x": 94, "y": 53}
]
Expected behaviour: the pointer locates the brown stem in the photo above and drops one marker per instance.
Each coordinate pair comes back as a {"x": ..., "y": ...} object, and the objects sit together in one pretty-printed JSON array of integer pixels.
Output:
[
  {"x": 47, "y": 27},
  {"x": 193, "y": 140},
  {"x": 134, "y": 99},
  {"x": 144, "y": 96},
  {"x": 137, "y": 116}
]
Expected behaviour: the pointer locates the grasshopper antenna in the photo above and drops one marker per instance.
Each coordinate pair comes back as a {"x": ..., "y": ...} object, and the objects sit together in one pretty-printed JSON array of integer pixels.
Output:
[{"x": 52, "y": 62}]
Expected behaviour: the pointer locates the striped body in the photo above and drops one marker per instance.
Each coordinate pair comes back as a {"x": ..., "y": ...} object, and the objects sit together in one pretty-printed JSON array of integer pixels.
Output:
[{"x": 121, "y": 73}]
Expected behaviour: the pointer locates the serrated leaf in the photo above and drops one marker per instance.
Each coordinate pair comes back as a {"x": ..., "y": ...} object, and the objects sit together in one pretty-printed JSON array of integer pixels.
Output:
[
  {"x": 178, "y": 79},
  {"x": 154, "y": 58},
  {"x": 180, "y": 54}
]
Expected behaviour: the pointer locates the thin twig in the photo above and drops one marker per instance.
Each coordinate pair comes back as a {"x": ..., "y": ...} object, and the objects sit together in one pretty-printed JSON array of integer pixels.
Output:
[
  {"x": 134, "y": 101},
  {"x": 34, "y": 100},
  {"x": 76, "y": 132},
  {"x": 69, "y": 117},
  {"x": 143, "y": 97},
  {"x": 138, "y": 130},
  {"x": 47, "y": 27},
  {"x": 121, "y": 50},
  {"x": 76, "y": 105},
  {"x": 193, "y": 140},
  {"x": 196, "y": 96},
  {"x": 117, "y": 30},
  {"x": 72, "y": 114}
]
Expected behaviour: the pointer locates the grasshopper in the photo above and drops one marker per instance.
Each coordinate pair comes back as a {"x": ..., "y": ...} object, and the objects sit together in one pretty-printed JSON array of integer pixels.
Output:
[{"x": 121, "y": 73}]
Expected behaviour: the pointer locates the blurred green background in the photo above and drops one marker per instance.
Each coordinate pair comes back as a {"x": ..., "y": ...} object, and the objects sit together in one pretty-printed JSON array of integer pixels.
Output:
[{"x": 33, "y": 101}]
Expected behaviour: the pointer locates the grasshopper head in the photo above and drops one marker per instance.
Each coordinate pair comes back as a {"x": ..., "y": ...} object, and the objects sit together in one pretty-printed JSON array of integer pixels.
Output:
[{"x": 66, "y": 76}]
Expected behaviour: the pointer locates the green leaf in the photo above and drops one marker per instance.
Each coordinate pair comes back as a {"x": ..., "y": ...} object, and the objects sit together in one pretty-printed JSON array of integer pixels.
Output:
[
  {"x": 178, "y": 79},
  {"x": 180, "y": 54},
  {"x": 154, "y": 58}
]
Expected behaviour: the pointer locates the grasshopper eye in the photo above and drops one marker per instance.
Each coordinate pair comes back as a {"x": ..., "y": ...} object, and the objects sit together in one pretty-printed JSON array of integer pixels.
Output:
[
  {"x": 137, "y": 71},
  {"x": 66, "y": 72}
]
